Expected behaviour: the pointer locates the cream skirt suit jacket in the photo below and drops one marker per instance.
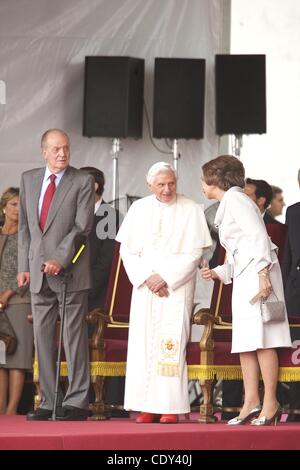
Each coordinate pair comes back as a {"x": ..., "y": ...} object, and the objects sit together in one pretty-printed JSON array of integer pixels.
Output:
[{"x": 249, "y": 249}]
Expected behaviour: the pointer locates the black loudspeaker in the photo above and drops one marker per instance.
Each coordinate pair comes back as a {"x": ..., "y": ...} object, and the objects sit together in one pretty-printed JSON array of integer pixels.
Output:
[
  {"x": 179, "y": 98},
  {"x": 240, "y": 94},
  {"x": 113, "y": 97}
]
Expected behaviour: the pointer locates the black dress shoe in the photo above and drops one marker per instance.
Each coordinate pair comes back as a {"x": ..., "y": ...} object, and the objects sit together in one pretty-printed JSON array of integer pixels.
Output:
[
  {"x": 40, "y": 414},
  {"x": 72, "y": 413},
  {"x": 114, "y": 413},
  {"x": 227, "y": 415}
]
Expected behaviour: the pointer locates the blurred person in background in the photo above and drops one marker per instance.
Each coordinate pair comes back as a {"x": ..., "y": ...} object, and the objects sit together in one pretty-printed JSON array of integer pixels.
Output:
[
  {"x": 291, "y": 282},
  {"x": 16, "y": 303},
  {"x": 261, "y": 193},
  {"x": 277, "y": 203}
]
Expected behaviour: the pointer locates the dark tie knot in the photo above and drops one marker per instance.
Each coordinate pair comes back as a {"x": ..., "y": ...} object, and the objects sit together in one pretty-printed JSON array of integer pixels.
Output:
[{"x": 52, "y": 178}]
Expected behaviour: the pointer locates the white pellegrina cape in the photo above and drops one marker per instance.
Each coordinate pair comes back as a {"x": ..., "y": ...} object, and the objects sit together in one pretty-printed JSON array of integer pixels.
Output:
[{"x": 167, "y": 239}]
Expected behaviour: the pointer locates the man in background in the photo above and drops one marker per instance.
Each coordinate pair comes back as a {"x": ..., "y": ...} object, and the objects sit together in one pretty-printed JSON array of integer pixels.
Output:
[
  {"x": 261, "y": 193},
  {"x": 291, "y": 282},
  {"x": 277, "y": 202},
  {"x": 102, "y": 245}
]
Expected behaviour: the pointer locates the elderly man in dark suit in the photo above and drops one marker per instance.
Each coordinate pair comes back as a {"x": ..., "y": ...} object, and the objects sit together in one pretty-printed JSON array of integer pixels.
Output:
[
  {"x": 291, "y": 282},
  {"x": 56, "y": 210}
]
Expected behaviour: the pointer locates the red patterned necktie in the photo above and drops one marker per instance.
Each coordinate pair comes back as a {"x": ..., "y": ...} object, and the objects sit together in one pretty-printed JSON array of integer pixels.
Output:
[{"x": 48, "y": 196}]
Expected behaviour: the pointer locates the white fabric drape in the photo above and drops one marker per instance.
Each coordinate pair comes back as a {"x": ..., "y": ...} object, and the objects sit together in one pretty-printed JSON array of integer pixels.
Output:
[{"x": 42, "y": 49}]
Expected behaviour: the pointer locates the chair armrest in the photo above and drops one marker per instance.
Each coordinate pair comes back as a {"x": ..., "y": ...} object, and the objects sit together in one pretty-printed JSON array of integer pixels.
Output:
[
  {"x": 100, "y": 319},
  {"x": 204, "y": 317}
]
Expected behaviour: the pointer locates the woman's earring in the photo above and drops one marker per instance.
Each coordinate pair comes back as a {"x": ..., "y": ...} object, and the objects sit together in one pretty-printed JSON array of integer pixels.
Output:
[{"x": 4, "y": 211}]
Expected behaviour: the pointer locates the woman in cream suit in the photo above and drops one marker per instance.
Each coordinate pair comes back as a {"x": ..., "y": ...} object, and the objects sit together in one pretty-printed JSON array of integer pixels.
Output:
[{"x": 252, "y": 262}]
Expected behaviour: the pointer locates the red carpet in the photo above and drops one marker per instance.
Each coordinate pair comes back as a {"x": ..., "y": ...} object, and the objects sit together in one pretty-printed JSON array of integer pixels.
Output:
[{"x": 125, "y": 434}]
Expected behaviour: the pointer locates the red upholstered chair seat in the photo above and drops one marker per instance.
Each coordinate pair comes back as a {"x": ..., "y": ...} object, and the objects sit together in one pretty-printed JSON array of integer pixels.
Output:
[
  {"x": 115, "y": 350},
  {"x": 221, "y": 352},
  {"x": 223, "y": 356},
  {"x": 294, "y": 320}
]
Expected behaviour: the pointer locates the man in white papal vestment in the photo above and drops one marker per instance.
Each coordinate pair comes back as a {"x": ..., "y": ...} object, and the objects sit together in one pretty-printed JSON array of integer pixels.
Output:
[{"x": 162, "y": 238}]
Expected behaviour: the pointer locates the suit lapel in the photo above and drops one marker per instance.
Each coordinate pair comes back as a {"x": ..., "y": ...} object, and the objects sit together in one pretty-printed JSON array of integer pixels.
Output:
[
  {"x": 36, "y": 191},
  {"x": 59, "y": 196}
]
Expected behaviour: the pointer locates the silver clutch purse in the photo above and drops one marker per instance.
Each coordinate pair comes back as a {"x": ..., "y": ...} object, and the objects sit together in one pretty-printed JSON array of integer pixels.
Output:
[{"x": 272, "y": 310}]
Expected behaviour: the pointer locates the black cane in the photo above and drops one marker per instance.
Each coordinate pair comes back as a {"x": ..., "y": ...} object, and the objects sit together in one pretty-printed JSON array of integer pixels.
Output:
[{"x": 65, "y": 276}]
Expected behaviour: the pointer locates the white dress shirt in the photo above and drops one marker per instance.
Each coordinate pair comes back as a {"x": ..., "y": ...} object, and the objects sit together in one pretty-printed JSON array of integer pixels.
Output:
[{"x": 45, "y": 184}]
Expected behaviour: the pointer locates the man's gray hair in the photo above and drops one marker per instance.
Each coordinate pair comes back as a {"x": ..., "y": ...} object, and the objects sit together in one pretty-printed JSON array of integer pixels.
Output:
[
  {"x": 159, "y": 167},
  {"x": 44, "y": 138}
]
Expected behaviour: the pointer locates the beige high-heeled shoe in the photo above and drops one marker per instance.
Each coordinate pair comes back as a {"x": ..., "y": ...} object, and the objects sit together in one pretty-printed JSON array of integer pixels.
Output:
[
  {"x": 264, "y": 421},
  {"x": 237, "y": 421}
]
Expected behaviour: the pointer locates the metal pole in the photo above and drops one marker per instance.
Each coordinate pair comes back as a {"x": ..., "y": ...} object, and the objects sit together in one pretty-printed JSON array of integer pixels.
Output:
[
  {"x": 175, "y": 156},
  {"x": 238, "y": 144},
  {"x": 115, "y": 153}
]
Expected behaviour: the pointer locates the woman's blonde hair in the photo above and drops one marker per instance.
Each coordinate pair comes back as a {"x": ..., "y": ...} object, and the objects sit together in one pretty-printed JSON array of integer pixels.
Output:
[{"x": 7, "y": 195}]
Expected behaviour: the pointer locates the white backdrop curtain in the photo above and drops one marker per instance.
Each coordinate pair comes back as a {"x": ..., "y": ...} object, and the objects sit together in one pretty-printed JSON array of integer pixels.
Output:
[{"x": 42, "y": 49}]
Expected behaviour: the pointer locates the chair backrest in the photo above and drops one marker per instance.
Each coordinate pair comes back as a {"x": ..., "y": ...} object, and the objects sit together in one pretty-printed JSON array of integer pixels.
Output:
[
  {"x": 221, "y": 296},
  {"x": 277, "y": 233},
  {"x": 118, "y": 296}
]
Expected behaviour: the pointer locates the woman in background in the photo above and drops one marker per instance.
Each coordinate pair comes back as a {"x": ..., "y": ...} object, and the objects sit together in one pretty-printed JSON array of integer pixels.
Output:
[
  {"x": 16, "y": 303},
  {"x": 253, "y": 265}
]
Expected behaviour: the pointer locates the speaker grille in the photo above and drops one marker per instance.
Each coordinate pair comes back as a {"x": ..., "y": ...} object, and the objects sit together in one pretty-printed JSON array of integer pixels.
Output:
[
  {"x": 113, "y": 97},
  {"x": 179, "y": 98},
  {"x": 240, "y": 94}
]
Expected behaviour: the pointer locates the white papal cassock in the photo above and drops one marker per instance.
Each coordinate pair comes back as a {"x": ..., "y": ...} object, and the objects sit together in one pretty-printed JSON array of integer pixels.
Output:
[{"x": 167, "y": 239}]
